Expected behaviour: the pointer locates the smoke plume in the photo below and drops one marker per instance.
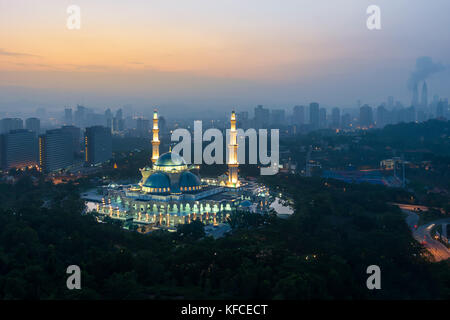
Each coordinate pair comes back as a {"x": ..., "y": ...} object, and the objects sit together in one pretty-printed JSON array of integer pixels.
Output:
[{"x": 425, "y": 67}]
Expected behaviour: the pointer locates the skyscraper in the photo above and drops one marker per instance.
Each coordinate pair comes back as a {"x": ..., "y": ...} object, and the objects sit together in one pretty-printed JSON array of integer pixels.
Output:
[
  {"x": 322, "y": 118},
  {"x": 277, "y": 117},
  {"x": 390, "y": 103},
  {"x": 314, "y": 115},
  {"x": 262, "y": 117},
  {"x": 75, "y": 132},
  {"x": 336, "y": 118},
  {"x": 424, "y": 101},
  {"x": 8, "y": 124},
  {"x": 80, "y": 116},
  {"x": 143, "y": 127},
  {"x": 415, "y": 98},
  {"x": 299, "y": 115},
  {"x": 365, "y": 116},
  {"x": 55, "y": 150},
  {"x": 33, "y": 124},
  {"x": 18, "y": 149},
  {"x": 68, "y": 116},
  {"x": 98, "y": 145},
  {"x": 382, "y": 116}
]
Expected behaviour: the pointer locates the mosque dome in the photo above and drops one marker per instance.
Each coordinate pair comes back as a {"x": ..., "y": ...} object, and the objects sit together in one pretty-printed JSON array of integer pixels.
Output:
[
  {"x": 169, "y": 162},
  {"x": 170, "y": 159},
  {"x": 246, "y": 204},
  {"x": 157, "y": 182},
  {"x": 189, "y": 181}
]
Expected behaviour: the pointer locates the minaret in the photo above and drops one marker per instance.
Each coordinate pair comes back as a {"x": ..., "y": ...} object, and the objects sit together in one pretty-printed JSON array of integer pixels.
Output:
[
  {"x": 233, "y": 180},
  {"x": 155, "y": 141}
]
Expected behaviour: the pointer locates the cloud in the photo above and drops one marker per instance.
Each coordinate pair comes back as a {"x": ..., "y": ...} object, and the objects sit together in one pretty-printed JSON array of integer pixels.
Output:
[{"x": 15, "y": 54}]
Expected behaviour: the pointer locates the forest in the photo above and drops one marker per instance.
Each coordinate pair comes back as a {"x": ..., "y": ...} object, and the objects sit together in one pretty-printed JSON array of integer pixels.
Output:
[{"x": 320, "y": 252}]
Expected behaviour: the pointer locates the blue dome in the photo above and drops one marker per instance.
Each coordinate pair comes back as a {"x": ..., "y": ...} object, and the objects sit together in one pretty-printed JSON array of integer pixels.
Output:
[
  {"x": 246, "y": 203},
  {"x": 170, "y": 159},
  {"x": 188, "y": 179},
  {"x": 158, "y": 180}
]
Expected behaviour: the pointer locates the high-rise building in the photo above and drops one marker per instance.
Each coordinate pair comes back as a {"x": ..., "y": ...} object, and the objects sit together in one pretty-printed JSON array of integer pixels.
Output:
[
  {"x": 314, "y": 115},
  {"x": 336, "y": 118},
  {"x": 109, "y": 118},
  {"x": 346, "y": 121},
  {"x": 390, "y": 103},
  {"x": 424, "y": 101},
  {"x": 322, "y": 118},
  {"x": 55, "y": 150},
  {"x": 8, "y": 124},
  {"x": 365, "y": 116},
  {"x": 440, "y": 109},
  {"x": 75, "y": 132},
  {"x": 118, "y": 122},
  {"x": 33, "y": 124},
  {"x": 98, "y": 145},
  {"x": 278, "y": 117},
  {"x": 262, "y": 117},
  {"x": 243, "y": 120},
  {"x": 68, "y": 116},
  {"x": 415, "y": 98},
  {"x": 18, "y": 149},
  {"x": 80, "y": 116},
  {"x": 382, "y": 117},
  {"x": 299, "y": 115},
  {"x": 143, "y": 127}
]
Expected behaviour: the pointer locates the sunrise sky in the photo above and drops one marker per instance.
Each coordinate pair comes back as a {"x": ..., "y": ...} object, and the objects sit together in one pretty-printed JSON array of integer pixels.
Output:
[{"x": 215, "y": 53}]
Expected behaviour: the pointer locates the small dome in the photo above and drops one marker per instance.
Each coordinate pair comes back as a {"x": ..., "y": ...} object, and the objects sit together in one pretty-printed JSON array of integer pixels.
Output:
[
  {"x": 246, "y": 204},
  {"x": 188, "y": 179},
  {"x": 157, "y": 180},
  {"x": 170, "y": 159}
]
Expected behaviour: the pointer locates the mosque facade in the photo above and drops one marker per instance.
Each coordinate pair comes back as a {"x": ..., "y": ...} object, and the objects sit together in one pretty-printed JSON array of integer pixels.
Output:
[{"x": 170, "y": 194}]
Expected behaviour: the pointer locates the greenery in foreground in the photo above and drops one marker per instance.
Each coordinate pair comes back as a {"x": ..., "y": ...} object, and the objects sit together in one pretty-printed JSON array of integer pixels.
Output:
[{"x": 321, "y": 252}]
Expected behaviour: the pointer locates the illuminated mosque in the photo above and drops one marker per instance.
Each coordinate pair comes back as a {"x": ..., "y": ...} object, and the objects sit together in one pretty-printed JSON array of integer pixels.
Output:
[{"x": 170, "y": 194}]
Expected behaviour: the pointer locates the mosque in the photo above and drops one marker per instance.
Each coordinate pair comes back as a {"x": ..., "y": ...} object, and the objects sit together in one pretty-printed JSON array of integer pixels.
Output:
[{"x": 170, "y": 194}]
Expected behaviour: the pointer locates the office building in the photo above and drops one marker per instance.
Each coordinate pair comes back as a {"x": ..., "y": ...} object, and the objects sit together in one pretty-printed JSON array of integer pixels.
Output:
[
  {"x": 8, "y": 124},
  {"x": 278, "y": 117},
  {"x": 322, "y": 118},
  {"x": 98, "y": 145},
  {"x": 75, "y": 132},
  {"x": 365, "y": 116},
  {"x": 55, "y": 150},
  {"x": 314, "y": 115},
  {"x": 299, "y": 115},
  {"x": 18, "y": 149},
  {"x": 33, "y": 124},
  {"x": 336, "y": 118},
  {"x": 262, "y": 117},
  {"x": 68, "y": 119}
]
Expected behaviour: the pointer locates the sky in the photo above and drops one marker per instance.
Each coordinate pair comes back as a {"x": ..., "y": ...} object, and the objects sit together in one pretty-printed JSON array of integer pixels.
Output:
[{"x": 196, "y": 55}]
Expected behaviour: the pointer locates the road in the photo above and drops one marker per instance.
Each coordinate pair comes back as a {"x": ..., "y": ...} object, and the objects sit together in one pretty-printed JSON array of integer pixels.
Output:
[{"x": 422, "y": 234}]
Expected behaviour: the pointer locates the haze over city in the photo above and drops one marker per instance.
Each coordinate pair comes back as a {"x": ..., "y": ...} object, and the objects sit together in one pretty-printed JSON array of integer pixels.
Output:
[{"x": 208, "y": 55}]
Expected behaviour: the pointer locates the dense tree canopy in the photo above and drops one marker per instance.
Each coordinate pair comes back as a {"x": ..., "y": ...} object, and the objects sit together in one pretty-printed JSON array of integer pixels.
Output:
[{"x": 322, "y": 251}]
